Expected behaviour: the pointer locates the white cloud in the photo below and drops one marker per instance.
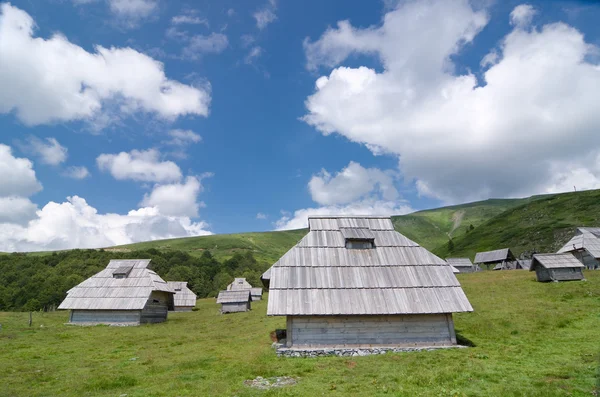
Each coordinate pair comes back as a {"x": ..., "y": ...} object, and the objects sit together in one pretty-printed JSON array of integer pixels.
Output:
[
  {"x": 76, "y": 172},
  {"x": 49, "y": 151},
  {"x": 177, "y": 199},
  {"x": 139, "y": 165},
  {"x": 133, "y": 11},
  {"x": 260, "y": 215},
  {"x": 522, "y": 15},
  {"x": 265, "y": 15},
  {"x": 17, "y": 210},
  {"x": 17, "y": 177},
  {"x": 351, "y": 184},
  {"x": 253, "y": 54},
  {"x": 73, "y": 84},
  {"x": 76, "y": 224},
  {"x": 198, "y": 45},
  {"x": 247, "y": 40},
  {"x": 189, "y": 20},
  {"x": 230, "y": 12},
  {"x": 354, "y": 190},
  {"x": 183, "y": 137},
  {"x": 534, "y": 112},
  {"x": 299, "y": 219}
]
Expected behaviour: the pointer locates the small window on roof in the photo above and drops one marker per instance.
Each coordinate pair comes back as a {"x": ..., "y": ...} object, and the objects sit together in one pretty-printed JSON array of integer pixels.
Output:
[
  {"x": 360, "y": 244},
  {"x": 177, "y": 289},
  {"x": 122, "y": 272}
]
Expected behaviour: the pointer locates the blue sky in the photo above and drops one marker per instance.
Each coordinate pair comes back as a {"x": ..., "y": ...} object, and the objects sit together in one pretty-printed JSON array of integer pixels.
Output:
[{"x": 221, "y": 117}]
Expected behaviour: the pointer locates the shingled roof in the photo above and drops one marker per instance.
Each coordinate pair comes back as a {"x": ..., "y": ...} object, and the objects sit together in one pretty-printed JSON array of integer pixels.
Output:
[
  {"x": 500, "y": 255},
  {"x": 183, "y": 295},
  {"x": 555, "y": 261},
  {"x": 587, "y": 238},
  {"x": 234, "y": 296},
  {"x": 320, "y": 276},
  {"x": 123, "y": 285}
]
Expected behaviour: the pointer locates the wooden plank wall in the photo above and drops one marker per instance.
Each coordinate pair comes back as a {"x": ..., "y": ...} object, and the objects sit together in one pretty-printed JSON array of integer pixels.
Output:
[
  {"x": 105, "y": 316},
  {"x": 234, "y": 307},
  {"x": 357, "y": 331},
  {"x": 156, "y": 308},
  {"x": 567, "y": 274},
  {"x": 183, "y": 308},
  {"x": 542, "y": 274}
]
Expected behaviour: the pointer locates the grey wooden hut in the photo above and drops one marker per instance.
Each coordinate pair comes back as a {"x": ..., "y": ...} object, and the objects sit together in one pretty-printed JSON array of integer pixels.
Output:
[
  {"x": 585, "y": 246},
  {"x": 234, "y": 301},
  {"x": 266, "y": 278},
  {"x": 127, "y": 292},
  {"x": 356, "y": 282},
  {"x": 501, "y": 259},
  {"x": 185, "y": 299},
  {"x": 256, "y": 293},
  {"x": 463, "y": 265},
  {"x": 556, "y": 267},
  {"x": 239, "y": 284}
]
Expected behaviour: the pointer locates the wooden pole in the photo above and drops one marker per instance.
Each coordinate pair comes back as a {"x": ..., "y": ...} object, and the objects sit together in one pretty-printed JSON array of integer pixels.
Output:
[{"x": 30, "y": 318}]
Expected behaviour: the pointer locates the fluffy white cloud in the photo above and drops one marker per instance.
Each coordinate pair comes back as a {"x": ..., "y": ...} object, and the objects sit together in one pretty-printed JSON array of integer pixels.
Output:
[
  {"x": 299, "y": 219},
  {"x": 49, "y": 80},
  {"x": 17, "y": 210},
  {"x": 354, "y": 190},
  {"x": 254, "y": 53},
  {"x": 183, "y": 137},
  {"x": 459, "y": 138},
  {"x": 260, "y": 215},
  {"x": 177, "y": 199},
  {"x": 17, "y": 177},
  {"x": 522, "y": 15},
  {"x": 350, "y": 184},
  {"x": 131, "y": 12},
  {"x": 76, "y": 224},
  {"x": 49, "y": 151},
  {"x": 266, "y": 14},
  {"x": 76, "y": 172},
  {"x": 139, "y": 165}
]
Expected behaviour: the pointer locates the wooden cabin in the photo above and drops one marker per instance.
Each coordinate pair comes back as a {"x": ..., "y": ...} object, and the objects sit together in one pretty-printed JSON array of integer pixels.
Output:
[
  {"x": 585, "y": 246},
  {"x": 266, "y": 278},
  {"x": 184, "y": 299},
  {"x": 556, "y": 267},
  {"x": 127, "y": 292},
  {"x": 356, "y": 282},
  {"x": 240, "y": 284},
  {"x": 234, "y": 301},
  {"x": 502, "y": 259},
  {"x": 463, "y": 265}
]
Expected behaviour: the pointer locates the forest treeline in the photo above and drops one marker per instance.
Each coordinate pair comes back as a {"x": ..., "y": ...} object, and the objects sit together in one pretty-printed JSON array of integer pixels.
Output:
[{"x": 40, "y": 282}]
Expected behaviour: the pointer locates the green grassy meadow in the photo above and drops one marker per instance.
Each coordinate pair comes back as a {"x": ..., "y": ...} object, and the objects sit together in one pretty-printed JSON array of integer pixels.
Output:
[{"x": 531, "y": 339}]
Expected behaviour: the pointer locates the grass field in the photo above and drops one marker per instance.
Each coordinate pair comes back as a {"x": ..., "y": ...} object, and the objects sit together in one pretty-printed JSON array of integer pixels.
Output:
[{"x": 531, "y": 339}]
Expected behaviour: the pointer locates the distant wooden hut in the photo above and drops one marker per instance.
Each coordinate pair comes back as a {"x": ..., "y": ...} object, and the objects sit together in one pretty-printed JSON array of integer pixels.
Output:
[
  {"x": 127, "y": 292},
  {"x": 556, "y": 267},
  {"x": 501, "y": 259},
  {"x": 585, "y": 246},
  {"x": 266, "y": 278},
  {"x": 185, "y": 299},
  {"x": 356, "y": 282},
  {"x": 463, "y": 265},
  {"x": 234, "y": 301},
  {"x": 240, "y": 284}
]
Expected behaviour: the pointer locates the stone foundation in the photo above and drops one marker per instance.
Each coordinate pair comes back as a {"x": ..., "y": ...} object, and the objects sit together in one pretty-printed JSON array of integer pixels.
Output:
[{"x": 352, "y": 352}]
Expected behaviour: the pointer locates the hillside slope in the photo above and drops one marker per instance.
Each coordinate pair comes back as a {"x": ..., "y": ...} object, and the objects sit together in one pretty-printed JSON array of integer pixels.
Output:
[
  {"x": 543, "y": 225},
  {"x": 430, "y": 228}
]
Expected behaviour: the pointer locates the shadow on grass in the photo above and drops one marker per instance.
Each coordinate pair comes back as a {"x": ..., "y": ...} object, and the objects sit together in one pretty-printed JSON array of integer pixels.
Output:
[{"x": 461, "y": 340}]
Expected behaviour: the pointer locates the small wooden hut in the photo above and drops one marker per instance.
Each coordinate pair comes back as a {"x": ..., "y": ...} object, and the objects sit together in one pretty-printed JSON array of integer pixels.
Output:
[
  {"x": 463, "y": 265},
  {"x": 234, "y": 301},
  {"x": 585, "y": 246},
  {"x": 556, "y": 267},
  {"x": 127, "y": 292},
  {"x": 502, "y": 259},
  {"x": 356, "y": 282},
  {"x": 185, "y": 299},
  {"x": 240, "y": 284},
  {"x": 266, "y": 278}
]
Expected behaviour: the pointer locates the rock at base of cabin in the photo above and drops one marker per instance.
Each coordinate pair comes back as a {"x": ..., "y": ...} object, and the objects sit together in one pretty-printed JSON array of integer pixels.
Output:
[
  {"x": 354, "y": 352},
  {"x": 269, "y": 383}
]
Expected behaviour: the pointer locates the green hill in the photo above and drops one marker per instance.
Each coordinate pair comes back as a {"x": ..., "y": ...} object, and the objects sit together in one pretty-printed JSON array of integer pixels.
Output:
[
  {"x": 530, "y": 339},
  {"x": 430, "y": 228},
  {"x": 542, "y": 225}
]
